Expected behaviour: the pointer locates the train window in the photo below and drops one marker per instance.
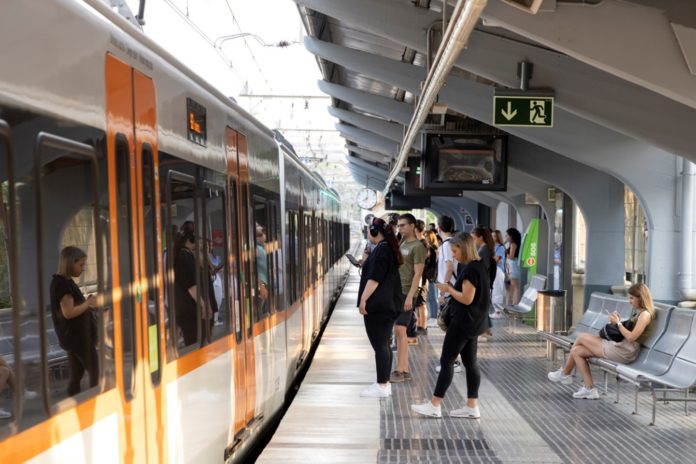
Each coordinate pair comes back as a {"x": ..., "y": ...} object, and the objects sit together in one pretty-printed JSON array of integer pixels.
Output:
[
  {"x": 299, "y": 255},
  {"x": 262, "y": 304},
  {"x": 275, "y": 257},
  {"x": 152, "y": 263},
  {"x": 181, "y": 271},
  {"x": 234, "y": 261},
  {"x": 247, "y": 253},
  {"x": 126, "y": 266},
  {"x": 9, "y": 407},
  {"x": 215, "y": 253},
  {"x": 289, "y": 255},
  {"x": 66, "y": 300}
]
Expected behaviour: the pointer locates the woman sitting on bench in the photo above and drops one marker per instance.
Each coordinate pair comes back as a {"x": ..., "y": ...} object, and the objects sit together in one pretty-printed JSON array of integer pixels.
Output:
[{"x": 625, "y": 352}]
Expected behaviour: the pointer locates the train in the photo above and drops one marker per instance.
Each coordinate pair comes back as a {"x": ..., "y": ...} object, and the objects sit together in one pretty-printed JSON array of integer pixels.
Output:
[{"x": 111, "y": 145}]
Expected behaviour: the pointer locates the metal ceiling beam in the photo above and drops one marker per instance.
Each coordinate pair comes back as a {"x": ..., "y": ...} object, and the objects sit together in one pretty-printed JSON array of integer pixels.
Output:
[
  {"x": 368, "y": 154},
  {"x": 368, "y": 139},
  {"x": 374, "y": 104},
  {"x": 619, "y": 105},
  {"x": 387, "y": 129},
  {"x": 633, "y": 42}
]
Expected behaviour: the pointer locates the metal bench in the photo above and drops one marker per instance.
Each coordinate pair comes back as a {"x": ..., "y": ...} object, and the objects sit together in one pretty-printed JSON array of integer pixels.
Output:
[
  {"x": 527, "y": 301},
  {"x": 600, "y": 306},
  {"x": 680, "y": 376}
]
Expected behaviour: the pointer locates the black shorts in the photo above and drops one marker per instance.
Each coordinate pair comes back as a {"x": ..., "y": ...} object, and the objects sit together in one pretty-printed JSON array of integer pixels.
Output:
[{"x": 404, "y": 318}]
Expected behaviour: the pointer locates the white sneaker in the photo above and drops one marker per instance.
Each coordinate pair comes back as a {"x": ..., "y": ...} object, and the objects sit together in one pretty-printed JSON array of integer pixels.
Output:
[
  {"x": 30, "y": 394},
  {"x": 5, "y": 414},
  {"x": 559, "y": 376},
  {"x": 427, "y": 409},
  {"x": 376, "y": 391},
  {"x": 586, "y": 393},
  {"x": 466, "y": 411},
  {"x": 457, "y": 367},
  {"x": 432, "y": 323},
  {"x": 497, "y": 315}
]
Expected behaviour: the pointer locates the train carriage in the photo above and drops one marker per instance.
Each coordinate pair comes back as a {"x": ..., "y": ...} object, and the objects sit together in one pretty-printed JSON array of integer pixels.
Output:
[{"x": 109, "y": 144}]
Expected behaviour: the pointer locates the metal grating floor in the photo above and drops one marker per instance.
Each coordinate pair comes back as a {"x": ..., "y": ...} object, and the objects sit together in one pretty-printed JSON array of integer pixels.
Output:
[{"x": 524, "y": 417}]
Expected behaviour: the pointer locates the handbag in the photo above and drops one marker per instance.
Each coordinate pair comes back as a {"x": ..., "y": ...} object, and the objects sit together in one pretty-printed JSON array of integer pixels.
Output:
[
  {"x": 418, "y": 300},
  {"x": 444, "y": 315},
  {"x": 611, "y": 331}
]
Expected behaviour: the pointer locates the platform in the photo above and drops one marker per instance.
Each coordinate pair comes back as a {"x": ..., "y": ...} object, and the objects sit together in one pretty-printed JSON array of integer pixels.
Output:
[{"x": 524, "y": 417}]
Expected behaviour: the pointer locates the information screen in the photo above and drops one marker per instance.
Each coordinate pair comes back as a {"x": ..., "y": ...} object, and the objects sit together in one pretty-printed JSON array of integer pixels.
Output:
[
  {"x": 465, "y": 162},
  {"x": 196, "y": 122}
]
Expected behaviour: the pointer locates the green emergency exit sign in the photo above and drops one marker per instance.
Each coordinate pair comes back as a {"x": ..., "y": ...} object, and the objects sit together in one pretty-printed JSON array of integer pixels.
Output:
[{"x": 523, "y": 111}]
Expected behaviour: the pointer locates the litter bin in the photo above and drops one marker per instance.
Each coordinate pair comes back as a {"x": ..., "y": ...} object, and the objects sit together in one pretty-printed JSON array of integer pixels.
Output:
[{"x": 551, "y": 315}]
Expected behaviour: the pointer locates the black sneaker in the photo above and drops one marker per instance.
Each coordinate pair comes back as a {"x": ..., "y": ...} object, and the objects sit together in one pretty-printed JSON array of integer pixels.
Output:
[{"x": 422, "y": 331}]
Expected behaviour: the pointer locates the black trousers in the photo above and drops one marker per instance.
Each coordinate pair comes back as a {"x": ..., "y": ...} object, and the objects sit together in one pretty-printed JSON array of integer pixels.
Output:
[
  {"x": 455, "y": 344},
  {"x": 379, "y": 327},
  {"x": 81, "y": 360}
]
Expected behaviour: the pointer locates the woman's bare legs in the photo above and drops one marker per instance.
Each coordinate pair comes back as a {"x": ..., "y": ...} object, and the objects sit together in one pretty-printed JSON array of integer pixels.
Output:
[
  {"x": 514, "y": 291},
  {"x": 585, "y": 346}
]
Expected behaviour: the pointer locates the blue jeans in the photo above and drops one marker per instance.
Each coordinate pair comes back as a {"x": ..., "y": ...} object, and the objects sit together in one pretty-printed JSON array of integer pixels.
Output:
[{"x": 431, "y": 302}]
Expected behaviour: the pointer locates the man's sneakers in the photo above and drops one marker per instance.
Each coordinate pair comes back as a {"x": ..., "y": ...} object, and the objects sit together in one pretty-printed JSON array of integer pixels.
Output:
[
  {"x": 559, "y": 376},
  {"x": 457, "y": 367},
  {"x": 586, "y": 393},
  {"x": 376, "y": 391},
  {"x": 427, "y": 409},
  {"x": 467, "y": 412},
  {"x": 5, "y": 414}
]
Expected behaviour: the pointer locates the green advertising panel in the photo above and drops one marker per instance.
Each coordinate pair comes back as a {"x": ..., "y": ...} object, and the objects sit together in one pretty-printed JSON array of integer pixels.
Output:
[{"x": 529, "y": 254}]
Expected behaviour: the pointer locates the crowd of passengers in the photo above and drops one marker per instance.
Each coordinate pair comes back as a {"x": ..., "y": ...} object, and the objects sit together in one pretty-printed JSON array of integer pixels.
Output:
[{"x": 408, "y": 272}]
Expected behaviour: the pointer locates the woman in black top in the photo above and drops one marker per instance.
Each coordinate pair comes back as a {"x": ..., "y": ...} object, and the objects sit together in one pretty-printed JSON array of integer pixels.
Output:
[
  {"x": 471, "y": 295},
  {"x": 185, "y": 287},
  {"x": 73, "y": 321},
  {"x": 379, "y": 298}
]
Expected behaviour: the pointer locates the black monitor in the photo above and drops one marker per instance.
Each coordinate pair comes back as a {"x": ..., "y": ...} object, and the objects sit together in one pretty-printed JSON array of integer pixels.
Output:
[
  {"x": 413, "y": 182},
  {"x": 464, "y": 162},
  {"x": 397, "y": 201}
]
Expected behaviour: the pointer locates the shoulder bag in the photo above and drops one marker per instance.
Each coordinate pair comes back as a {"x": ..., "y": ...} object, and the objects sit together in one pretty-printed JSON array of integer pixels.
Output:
[
  {"x": 444, "y": 315},
  {"x": 612, "y": 333}
]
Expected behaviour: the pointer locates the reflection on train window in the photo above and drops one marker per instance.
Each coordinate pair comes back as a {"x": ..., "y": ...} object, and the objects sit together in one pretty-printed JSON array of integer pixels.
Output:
[
  {"x": 247, "y": 254},
  {"x": 150, "y": 208},
  {"x": 7, "y": 354},
  {"x": 274, "y": 257},
  {"x": 261, "y": 300},
  {"x": 233, "y": 282},
  {"x": 290, "y": 256},
  {"x": 182, "y": 271},
  {"x": 126, "y": 266},
  {"x": 214, "y": 254},
  {"x": 78, "y": 335}
]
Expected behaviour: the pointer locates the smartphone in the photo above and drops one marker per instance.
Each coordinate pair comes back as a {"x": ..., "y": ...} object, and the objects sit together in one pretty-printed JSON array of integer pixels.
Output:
[{"x": 352, "y": 260}]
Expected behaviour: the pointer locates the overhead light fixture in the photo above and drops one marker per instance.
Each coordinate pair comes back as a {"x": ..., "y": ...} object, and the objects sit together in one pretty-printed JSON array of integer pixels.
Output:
[{"x": 530, "y": 6}]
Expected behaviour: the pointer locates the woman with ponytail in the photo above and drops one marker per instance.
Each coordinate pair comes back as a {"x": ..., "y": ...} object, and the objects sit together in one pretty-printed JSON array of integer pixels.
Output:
[{"x": 379, "y": 300}]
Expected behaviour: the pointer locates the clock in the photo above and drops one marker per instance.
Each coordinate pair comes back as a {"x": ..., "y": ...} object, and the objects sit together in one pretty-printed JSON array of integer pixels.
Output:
[{"x": 367, "y": 198}]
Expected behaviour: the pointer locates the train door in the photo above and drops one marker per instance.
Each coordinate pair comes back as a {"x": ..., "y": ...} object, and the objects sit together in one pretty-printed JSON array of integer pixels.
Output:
[
  {"x": 134, "y": 222},
  {"x": 240, "y": 284}
]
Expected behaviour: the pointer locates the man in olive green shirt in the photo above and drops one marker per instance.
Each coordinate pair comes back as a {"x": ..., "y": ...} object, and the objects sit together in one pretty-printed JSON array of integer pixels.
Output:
[{"x": 410, "y": 273}]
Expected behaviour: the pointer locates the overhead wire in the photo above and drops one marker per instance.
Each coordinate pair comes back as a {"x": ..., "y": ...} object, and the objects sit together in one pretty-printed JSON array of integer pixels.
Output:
[{"x": 246, "y": 44}]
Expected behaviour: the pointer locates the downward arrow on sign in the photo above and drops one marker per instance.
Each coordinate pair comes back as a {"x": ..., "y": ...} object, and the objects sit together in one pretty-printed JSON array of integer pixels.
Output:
[{"x": 509, "y": 114}]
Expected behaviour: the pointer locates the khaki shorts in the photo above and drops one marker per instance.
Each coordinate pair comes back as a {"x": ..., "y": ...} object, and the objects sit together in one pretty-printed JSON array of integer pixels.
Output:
[{"x": 624, "y": 352}]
